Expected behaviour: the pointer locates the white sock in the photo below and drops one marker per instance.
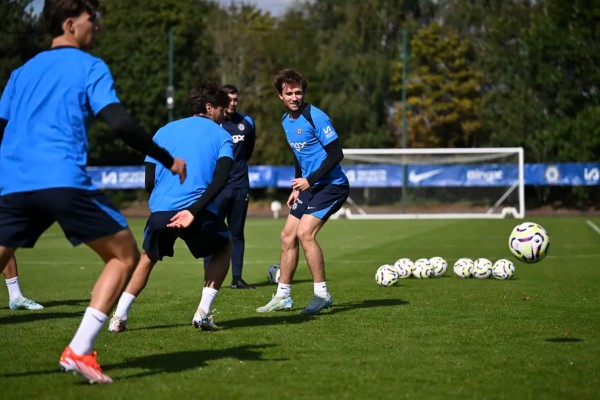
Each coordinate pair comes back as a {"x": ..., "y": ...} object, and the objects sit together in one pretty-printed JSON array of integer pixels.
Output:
[
  {"x": 90, "y": 327},
  {"x": 208, "y": 296},
  {"x": 14, "y": 291},
  {"x": 125, "y": 303},
  {"x": 284, "y": 290},
  {"x": 321, "y": 289}
]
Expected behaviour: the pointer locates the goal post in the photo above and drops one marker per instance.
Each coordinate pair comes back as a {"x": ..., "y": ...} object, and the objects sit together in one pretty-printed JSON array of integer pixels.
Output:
[{"x": 435, "y": 183}]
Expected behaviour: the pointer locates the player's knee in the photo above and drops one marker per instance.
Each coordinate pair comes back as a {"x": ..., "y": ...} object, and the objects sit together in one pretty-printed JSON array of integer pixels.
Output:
[
  {"x": 305, "y": 236},
  {"x": 288, "y": 240}
]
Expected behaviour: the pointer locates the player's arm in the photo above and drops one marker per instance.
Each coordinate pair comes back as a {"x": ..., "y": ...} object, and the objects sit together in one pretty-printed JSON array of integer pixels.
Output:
[
  {"x": 3, "y": 124},
  {"x": 136, "y": 137},
  {"x": 250, "y": 142},
  {"x": 215, "y": 186},
  {"x": 150, "y": 177},
  {"x": 335, "y": 155},
  {"x": 297, "y": 168}
]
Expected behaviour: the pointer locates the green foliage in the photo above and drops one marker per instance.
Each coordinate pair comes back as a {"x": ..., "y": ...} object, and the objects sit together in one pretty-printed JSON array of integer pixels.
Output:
[
  {"x": 134, "y": 44},
  {"x": 21, "y": 36},
  {"x": 444, "y": 92},
  {"x": 357, "y": 45}
]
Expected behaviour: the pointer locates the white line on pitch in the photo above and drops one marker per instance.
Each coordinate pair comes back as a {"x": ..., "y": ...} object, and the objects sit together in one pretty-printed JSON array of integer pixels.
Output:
[{"x": 593, "y": 226}]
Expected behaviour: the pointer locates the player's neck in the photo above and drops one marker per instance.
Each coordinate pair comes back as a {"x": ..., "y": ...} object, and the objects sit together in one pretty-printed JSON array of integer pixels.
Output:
[{"x": 65, "y": 41}]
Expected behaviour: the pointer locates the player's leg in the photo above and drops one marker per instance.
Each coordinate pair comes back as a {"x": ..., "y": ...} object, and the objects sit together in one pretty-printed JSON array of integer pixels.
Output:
[
  {"x": 90, "y": 217},
  {"x": 236, "y": 220},
  {"x": 16, "y": 299},
  {"x": 288, "y": 263},
  {"x": 208, "y": 234},
  {"x": 120, "y": 255},
  {"x": 138, "y": 281},
  {"x": 21, "y": 224},
  {"x": 325, "y": 202}
]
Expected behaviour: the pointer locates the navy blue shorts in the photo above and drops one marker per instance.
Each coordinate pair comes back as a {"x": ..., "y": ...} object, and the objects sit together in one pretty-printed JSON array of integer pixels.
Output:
[
  {"x": 206, "y": 235},
  {"x": 83, "y": 215},
  {"x": 320, "y": 201}
]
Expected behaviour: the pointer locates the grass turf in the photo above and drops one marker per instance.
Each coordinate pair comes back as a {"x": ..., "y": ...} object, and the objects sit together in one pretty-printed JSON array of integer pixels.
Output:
[{"x": 534, "y": 337}]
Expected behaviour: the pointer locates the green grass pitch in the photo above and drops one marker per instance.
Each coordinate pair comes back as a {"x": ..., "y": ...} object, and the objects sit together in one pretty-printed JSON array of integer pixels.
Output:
[{"x": 534, "y": 337}]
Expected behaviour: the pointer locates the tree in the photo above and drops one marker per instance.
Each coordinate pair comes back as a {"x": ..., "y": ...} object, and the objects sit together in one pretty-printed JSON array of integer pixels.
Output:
[
  {"x": 21, "y": 38},
  {"x": 444, "y": 93},
  {"x": 134, "y": 42},
  {"x": 357, "y": 45}
]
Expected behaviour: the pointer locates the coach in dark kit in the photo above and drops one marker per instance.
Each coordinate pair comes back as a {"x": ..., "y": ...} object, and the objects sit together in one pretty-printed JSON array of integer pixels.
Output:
[{"x": 232, "y": 202}]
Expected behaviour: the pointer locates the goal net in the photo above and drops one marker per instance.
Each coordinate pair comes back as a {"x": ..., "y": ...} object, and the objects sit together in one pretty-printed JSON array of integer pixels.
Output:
[{"x": 435, "y": 183}]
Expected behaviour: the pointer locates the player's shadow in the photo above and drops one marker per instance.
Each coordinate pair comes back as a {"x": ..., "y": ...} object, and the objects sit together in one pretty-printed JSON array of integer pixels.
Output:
[
  {"x": 187, "y": 360},
  {"x": 36, "y": 316},
  {"x": 170, "y": 362},
  {"x": 264, "y": 284},
  {"x": 71, "y": 302},
  {"x": 564, "y": 340},
  {"x": 293, "y": 316}
]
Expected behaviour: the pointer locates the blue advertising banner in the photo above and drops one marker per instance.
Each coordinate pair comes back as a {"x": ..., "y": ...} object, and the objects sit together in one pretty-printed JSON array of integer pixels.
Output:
[{"x": 486, "y": 175}]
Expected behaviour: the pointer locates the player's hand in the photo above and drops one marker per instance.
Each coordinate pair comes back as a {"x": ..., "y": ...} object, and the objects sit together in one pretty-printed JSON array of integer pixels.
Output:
[
  {"x": 179, "y": 168},
  {"x": 182, "y": 219},
  {"x": 300, "y": 184},
  {"x": 292, "y": 199}
]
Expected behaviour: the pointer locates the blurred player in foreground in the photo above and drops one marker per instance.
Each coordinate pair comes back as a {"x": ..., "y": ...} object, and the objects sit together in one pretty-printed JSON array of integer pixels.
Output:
[{"x": 45, "y": 111}]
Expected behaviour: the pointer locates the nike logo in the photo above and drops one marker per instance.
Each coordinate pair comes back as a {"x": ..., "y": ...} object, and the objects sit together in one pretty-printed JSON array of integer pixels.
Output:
[{"x": 413, "y": 177}]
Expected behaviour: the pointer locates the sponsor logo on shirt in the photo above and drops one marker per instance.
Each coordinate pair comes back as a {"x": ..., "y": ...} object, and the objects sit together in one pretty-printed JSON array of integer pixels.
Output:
[
  {"x": 298, "y": 146},
  {"x": 328, "y": 131},
  {"x": 299, "y": 131},
  {"x": 241, "y": 127},
  {"x": 238, "y": 138}
]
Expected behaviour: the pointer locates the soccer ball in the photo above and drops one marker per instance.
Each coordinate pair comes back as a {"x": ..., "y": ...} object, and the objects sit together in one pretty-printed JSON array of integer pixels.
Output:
[
  {"x": 503, "y": 269},
  {"x": 273, "y": 274},
  {"x": 463, "y": 268},
  {"x": 423, "y": 269},
  {"x": 404, "y": 267},
  {"x": 529, "y": 242},
  {"x": 386, "y": 275},
  {"x": 482, "y": 268},
  {"x": 439, "y": 265}
]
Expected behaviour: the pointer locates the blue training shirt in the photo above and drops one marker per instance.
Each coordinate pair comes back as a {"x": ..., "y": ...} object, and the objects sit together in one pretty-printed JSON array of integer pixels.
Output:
[
  {"x": 308, "y": 141},
  {"x": 242, "y": 131},
  {"x": 49, "y": 103},
  {"x": 200, "y": 142}
]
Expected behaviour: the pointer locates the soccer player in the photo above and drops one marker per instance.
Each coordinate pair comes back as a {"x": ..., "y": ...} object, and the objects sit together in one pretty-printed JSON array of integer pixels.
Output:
[
  {"x": 319, "y": 189},
  {"x": 45, "y": 112},
  {"x": 190, "y": 207},
  {"x": 232, "y": 202},
  {"x": 16, "y": 300}
]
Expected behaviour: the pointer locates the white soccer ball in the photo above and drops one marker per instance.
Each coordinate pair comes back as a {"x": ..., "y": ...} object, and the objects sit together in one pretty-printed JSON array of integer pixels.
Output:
[
  {"x": 273, "y": 274},
  {"x": 404, "y": 266},
  {"x": 463, "y": 268},
  {"x": 503, "y": 269},
  {"x": 439, "y": 266},
  {"x": 482, "y": 268},
  {"x": 423, "y": 269},
  {"x": 386, "y": 275},
  {"x": 529, "y": 242}
]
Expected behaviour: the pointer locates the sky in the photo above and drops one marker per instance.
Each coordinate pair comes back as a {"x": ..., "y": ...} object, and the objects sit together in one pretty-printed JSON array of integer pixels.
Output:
[{"x": 276, "y": 7}]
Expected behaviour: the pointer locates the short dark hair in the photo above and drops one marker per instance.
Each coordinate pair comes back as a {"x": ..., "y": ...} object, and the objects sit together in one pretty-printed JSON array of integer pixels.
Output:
[
  {"x": 57, "y": 11},
  {"x": 203, "y": 93},
  {"x": 290, "y": 77},
  {"x": 230, "y": 89}
]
